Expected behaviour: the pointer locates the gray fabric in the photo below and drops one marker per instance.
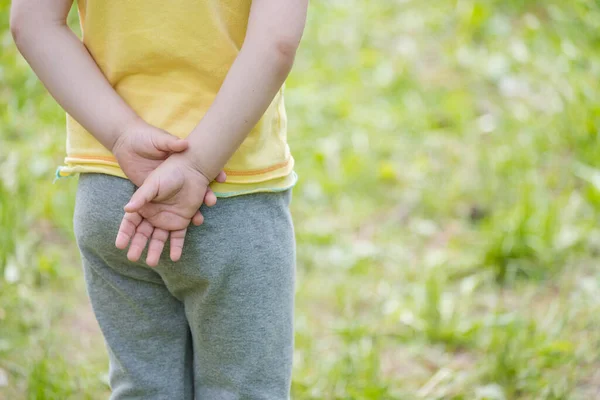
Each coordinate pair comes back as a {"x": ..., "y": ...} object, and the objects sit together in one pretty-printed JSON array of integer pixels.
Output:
[{"x": 215, "y": 325}]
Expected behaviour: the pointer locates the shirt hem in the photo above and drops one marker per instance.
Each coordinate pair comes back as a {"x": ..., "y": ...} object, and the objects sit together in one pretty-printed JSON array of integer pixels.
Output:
[{"x": 63, "y": 172}]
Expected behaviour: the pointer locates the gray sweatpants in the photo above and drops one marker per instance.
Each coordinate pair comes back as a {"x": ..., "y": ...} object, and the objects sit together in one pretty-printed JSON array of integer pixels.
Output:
[{"x": 215, "y": 325}]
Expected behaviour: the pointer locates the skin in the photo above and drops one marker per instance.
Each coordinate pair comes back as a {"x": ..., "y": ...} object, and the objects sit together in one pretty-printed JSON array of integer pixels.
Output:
[{"x": 168, "y": 198}]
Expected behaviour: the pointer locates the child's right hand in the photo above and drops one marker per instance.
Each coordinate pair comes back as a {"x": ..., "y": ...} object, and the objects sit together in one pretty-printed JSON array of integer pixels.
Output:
[
  {"x": 142, "y": 147},
  {"x": 164, "y": 206}
]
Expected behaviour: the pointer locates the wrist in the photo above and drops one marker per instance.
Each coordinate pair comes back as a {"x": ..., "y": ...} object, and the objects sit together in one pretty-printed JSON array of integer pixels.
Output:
[
  {"x": 123, "y": 129},
  {"x": 184, "y": 160},
  {"x": 194, "y": 161},
  {"x": 203, "y": 158}
]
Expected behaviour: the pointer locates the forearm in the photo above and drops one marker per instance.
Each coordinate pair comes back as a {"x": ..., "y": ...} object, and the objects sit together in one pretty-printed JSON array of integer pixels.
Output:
[
  {"x": 68, "y": 71},
  {"x": 252, "y": 82},
  {"x": 249, "y": 88}
]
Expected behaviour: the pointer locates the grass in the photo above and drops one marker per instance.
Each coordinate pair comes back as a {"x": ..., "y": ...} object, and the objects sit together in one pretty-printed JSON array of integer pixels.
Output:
[{"x": 449, "y": 157}]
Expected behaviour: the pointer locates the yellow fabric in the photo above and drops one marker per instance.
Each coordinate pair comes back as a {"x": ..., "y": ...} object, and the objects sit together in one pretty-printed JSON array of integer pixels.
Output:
[{"x": 168, "y": 59}]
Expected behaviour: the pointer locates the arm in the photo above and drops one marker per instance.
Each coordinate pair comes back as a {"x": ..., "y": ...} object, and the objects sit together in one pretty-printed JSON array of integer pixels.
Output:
[
  {"x": 167, "y": 199},
  {"x": 68, "y": 71},
  {"x": 274, "y": 31}
]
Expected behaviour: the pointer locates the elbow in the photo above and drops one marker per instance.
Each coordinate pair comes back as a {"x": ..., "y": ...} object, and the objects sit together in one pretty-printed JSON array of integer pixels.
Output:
[
  {"x": 16, "y": 27},
  {"x": 276, "y": 44},
  {"x": 283, "y": 54},
  {"x": 20, "y": 27},
  {"x": 286, "y": 50},
  {"x": 28, "y": 25}
]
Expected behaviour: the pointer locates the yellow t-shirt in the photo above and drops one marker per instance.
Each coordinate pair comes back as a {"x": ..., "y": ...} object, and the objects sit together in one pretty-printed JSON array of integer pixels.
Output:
[{"x": 168, "y": 59}]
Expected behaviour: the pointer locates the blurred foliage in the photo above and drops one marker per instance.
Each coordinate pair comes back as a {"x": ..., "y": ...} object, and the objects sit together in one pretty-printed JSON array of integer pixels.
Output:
[{"x": 449, "y": 157}]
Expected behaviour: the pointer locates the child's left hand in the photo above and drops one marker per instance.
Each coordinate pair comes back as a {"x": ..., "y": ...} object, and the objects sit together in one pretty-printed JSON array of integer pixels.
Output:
[
  {"x": 167, "y": 202},
  {"x": 141, "y": 148}
]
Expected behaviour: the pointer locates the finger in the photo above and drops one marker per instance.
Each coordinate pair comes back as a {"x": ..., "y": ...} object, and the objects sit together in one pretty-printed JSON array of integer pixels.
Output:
[
  {"x": 198, "y": 218},
  {"x": 145, "y": 194},
  {"x": 138, "y": 243},
  {"x": 127, "y": 229},
  {"x": 169, "y": 143},
  {"x": 209, "y": 198},
  {"x": 222, "y": 177},
  {"x": 177, "y": 240},
  {"x": 156, "y": 246}
]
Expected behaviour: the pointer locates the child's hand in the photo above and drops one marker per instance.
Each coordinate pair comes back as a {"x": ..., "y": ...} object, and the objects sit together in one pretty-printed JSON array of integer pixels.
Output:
[
  {"x": 142, "y": 147},
  {"x": 168, "y": 200}
]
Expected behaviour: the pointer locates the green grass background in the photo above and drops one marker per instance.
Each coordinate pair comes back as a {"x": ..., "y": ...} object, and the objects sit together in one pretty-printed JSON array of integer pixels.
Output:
[{"x": 446, "y": 213}]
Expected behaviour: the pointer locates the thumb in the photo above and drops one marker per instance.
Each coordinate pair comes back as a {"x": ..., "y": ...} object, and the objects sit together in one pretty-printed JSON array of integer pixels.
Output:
[
  {"x": 164, "y": 141},
  {"x": 145, "y": 194}
]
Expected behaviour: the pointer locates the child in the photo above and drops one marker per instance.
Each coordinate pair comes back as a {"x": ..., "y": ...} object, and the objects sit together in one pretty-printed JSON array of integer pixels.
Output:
[{"x": 215, "y": 320}]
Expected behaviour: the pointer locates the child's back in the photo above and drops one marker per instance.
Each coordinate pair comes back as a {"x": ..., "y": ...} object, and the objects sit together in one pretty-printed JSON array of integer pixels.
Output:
[
  {"x": 217, "y": 324},
  {"x": 168, "y": 59}
]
